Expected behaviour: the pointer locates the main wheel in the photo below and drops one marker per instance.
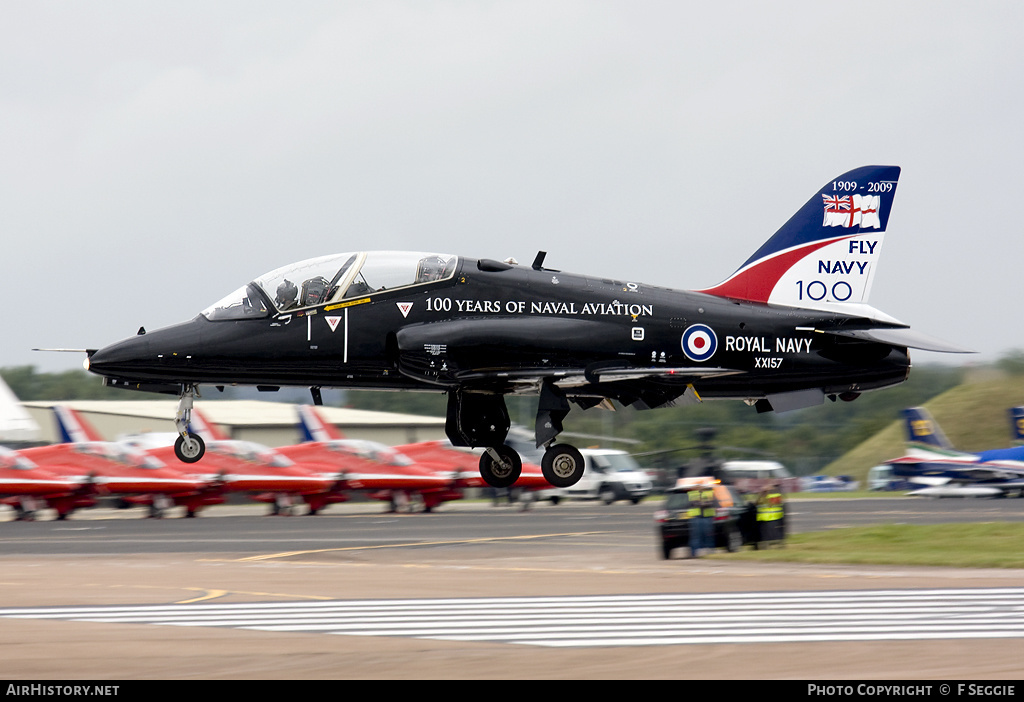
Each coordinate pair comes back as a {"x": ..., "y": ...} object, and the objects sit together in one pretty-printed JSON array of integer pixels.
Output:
[
  {"x": 505, "y": 471},
  {"x": 562, "y": 465},
  {"x": 189, "y": 450}
]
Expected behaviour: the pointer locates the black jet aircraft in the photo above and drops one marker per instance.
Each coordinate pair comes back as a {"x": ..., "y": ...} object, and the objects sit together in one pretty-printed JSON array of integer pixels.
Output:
[{"x": 789, "y": 328}]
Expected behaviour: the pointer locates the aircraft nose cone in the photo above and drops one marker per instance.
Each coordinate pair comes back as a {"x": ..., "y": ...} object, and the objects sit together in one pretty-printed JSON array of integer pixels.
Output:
[
  {"x": 160, "y": 356},
  {"x": 120, "y": 358}
]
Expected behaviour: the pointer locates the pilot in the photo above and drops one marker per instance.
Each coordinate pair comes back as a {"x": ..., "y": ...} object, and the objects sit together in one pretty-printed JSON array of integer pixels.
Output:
[{"x": 287, "y": 295}]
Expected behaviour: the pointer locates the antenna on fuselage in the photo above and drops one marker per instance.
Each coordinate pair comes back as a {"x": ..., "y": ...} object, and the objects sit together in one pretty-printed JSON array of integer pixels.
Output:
[{"x": 538, "y": 262}]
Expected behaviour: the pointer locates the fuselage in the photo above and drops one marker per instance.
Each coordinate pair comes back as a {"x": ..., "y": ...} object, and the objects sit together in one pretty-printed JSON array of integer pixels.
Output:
[
  {"x": 240, "y": 466},
  {"x": 496, "y": 326}
]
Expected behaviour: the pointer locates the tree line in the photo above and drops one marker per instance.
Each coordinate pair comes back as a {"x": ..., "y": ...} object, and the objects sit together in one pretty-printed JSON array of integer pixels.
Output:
[{"x": 805, "y": 440}]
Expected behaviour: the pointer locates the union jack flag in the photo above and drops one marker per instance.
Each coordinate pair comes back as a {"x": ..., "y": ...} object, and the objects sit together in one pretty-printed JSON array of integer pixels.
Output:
[
  {"x": 836, "y": 203},
  {"x": 851, "y": 210}
]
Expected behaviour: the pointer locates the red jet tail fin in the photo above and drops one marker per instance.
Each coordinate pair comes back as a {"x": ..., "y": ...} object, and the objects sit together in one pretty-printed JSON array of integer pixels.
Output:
[
  {"x": 199, "y": 424},
  {"x": 72, "y": 427},
  {"x": 312, "y": 426}
]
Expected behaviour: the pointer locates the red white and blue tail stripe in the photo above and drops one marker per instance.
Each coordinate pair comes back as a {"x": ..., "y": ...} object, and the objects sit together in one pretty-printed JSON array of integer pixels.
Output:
[
  {"x": 313, "y": 428},
  {"x": 825, "y": 256},
  {"x": 72, "y": 427},
  {"x": 199, "y": 424}
]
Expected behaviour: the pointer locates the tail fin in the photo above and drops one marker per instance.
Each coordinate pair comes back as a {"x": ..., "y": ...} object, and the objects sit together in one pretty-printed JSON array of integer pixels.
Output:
[
  {"x": 16, "y": 424},
  {"x": 1017, "y": 425},
  {"x": 922, "y": 429},
  {"x": 313, "y": 428},
  {"x": 72, "y": 427},
  {"x": 198, "y": 424},
  {"x": 825, "y": 256}
]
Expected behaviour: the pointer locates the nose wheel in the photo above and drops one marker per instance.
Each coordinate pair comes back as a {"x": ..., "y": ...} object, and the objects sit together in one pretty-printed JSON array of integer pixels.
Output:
[
  {"x": 500, "y": 466},
  {"x": 188, "y": 447},
  {"x": 562, "y": 465}
]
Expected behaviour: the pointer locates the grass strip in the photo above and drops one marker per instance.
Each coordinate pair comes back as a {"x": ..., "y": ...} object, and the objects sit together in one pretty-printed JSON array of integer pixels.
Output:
[{"x": 969, "y": 545}]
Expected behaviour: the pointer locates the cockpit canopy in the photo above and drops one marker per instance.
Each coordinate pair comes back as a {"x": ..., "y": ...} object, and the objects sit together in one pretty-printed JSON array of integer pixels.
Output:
[
  {"x": 10, "y": 459},
  {"x": 319, "y": 281},
  {"x": 250, "y": 452},
  {"x": 123, "y": 454},
  {"x": 371, "y": 450}
]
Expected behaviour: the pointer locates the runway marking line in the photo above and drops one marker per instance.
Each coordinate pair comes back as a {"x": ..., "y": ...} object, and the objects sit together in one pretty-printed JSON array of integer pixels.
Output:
[
  {"x": 214, "y": 594},
  {"x": 285, "y": 554},
  {"x": 210, "y": 595},
  {"x": 499, "y": 569}
]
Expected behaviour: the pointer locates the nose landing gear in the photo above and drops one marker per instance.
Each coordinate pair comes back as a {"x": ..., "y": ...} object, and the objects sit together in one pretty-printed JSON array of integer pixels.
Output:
[{"x": 188, "y": 447}]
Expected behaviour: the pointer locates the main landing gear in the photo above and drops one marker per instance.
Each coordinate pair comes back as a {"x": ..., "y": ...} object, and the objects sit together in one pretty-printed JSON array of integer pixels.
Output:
[
  {"x": 477, "y": 419},
  {"x": 500, "y": 466},
  {"x": 562, "y": 465},
  {"x": 188, "y": 447}
]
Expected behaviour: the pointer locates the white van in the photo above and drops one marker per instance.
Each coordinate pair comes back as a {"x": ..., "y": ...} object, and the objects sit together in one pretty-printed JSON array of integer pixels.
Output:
[
  {"x": 751, "y": 476},
  {"x": 608, "y": 475},
  {"x": 882, "y": 478},
  {"x": 759, "y": 470}
]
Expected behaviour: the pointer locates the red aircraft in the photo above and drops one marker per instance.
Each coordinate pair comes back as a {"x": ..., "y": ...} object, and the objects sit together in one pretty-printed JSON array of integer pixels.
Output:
[
  {"x": 97, "y": 468},
  {"x": 23, "y": 485},
  {"x": 265, "y": 474},
  {"x": 385, "y": 473}
]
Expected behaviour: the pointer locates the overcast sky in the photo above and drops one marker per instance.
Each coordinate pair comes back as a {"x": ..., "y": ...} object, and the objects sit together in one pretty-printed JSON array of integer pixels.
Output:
[{"x": 155, "y": 156}]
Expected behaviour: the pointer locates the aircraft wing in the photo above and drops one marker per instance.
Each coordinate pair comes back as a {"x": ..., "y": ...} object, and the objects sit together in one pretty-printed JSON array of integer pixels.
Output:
[
  {"x": 686, "y": 374},
  {"x": 535, "y": 350},
  {"x": 575, "y": 377}
]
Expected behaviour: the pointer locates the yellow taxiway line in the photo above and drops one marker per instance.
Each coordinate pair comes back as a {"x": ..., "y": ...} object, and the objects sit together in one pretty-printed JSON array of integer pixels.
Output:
[{"x": 286, "y": 554}]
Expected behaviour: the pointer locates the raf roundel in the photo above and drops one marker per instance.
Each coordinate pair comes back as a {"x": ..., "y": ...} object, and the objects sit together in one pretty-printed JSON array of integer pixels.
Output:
[{"x": 699, "y": 342}]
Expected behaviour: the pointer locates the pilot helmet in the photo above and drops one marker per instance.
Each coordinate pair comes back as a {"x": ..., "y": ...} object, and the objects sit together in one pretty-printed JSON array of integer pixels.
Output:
[
  {"x": 287, "y": 293},
  {"x": 430, "y": 268}
]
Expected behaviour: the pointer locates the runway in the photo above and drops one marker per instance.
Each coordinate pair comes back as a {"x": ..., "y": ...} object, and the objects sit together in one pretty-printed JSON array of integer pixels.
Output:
[
  {"x": 622, "y": 620},
  {"x": 574, "y": 591}
]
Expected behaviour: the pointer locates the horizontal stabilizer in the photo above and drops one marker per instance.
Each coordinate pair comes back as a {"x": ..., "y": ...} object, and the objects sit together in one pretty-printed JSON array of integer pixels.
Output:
[{"x": 899, "y": 337}]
